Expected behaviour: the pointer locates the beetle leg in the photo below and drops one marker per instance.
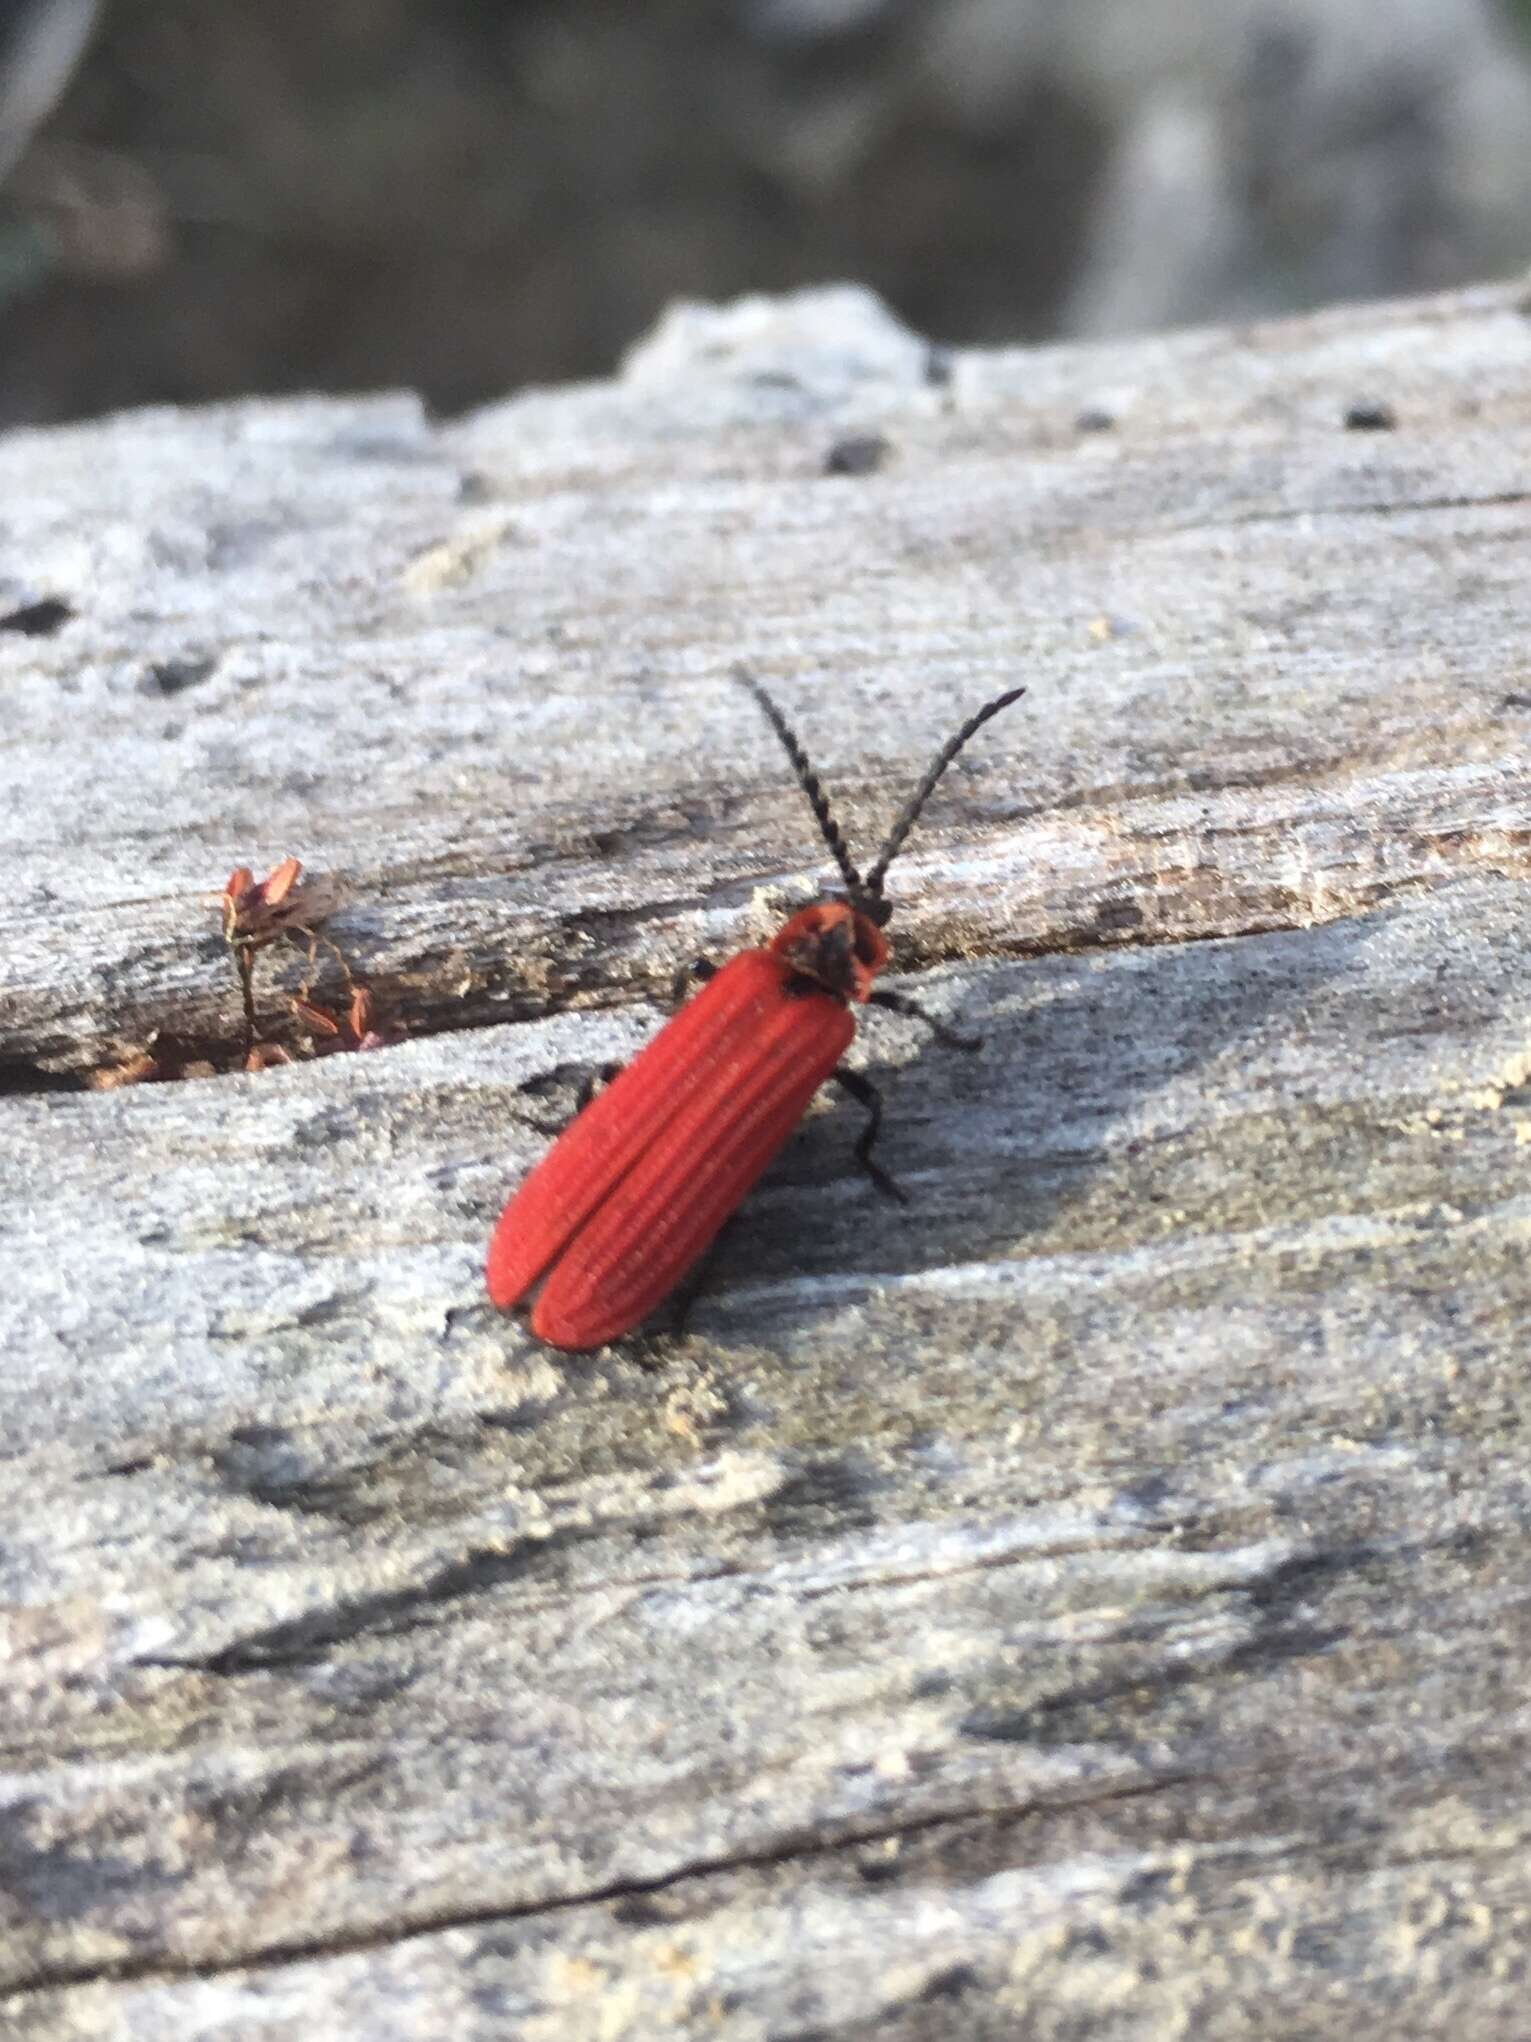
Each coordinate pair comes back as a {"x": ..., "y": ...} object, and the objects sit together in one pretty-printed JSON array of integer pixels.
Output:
[
  {"x": 651, "y": 1348},
  {"x": 697, "y": 972},
  {"x": 591, "y": 1078},
  {"x": 866, "y": 1094},
  {"x": 900, "y": 1003},
  {"x": 694, "y": 1282},
  {"x": 591, "y": 1083}
]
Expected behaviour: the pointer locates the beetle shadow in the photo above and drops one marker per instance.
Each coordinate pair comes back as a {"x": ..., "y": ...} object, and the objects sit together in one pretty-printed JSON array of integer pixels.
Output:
[{"x": 1065, "y": 1122}]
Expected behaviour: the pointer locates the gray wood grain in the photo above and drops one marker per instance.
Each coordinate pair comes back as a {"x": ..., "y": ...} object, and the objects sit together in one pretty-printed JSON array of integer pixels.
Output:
[{"x": 1090, "y": 1600}]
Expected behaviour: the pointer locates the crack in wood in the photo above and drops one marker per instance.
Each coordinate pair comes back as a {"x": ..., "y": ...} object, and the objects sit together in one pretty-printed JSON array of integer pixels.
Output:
[
  {"x": 1112, "y": 928},
  {"x": 1286, "y": 514},
  {"x": 804, "y": 1848}
]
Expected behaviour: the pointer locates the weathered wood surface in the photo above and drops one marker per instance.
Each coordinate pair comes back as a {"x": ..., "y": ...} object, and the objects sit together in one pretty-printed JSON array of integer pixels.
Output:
[{"x": 1093, "y": 1600}]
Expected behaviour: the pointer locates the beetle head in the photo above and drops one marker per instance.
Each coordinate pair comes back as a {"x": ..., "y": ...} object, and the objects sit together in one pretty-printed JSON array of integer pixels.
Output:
[{"x": 833, "y": 944}]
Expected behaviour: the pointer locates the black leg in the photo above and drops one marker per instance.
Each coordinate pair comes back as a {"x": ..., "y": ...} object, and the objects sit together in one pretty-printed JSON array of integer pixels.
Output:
[
  {"x": 865, "y": 1093},
  {"x": 651, "y": 1347},
  {"x": 899, "y": 1003},
  {"x": 694, "y": 1282},
  {"x": 696, "y": 973},
  {"x": 591, "y": 1078},
  {"x": 591, "y": 1083}
]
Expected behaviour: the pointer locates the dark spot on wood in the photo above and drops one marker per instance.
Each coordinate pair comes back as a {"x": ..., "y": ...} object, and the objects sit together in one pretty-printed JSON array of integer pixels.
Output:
[
  {"x": 1092, "y": 1942},
  {"x": 1094, "y": 419},
  {"x": 19, "y": 1077},
  {"x": 999, "y": 1726},
  {"x": 60, "y": 1883},
  {"x": 1146, "y": 1888},
  {"x": 829, "y": 1488},
  {"x": 1296, "y": 1641},
  {"x": 1148, "y": 1493},
  {"x": 474, "y": 488},
  {"x": 38, "y": 620},
  {"x": 175, "y": 676},
  {"x": 331, "y": 1124},
  {"x": 1118, "y": 914},
  {"x": 1368, "y": 415},
  {"x": 234, "y": 542},
  {"x": 381, "y": 448},
  {"x": 938, "y": 367},
  {"x": 513, "y": 1418},
  {"x": 952, "y": 1983},
  {"x": 857, "y": 454},
  {"x": 322, "y": 1312},
  {"x": 1295, "y": 1579},
  {"x": 1515, "y": 701}
]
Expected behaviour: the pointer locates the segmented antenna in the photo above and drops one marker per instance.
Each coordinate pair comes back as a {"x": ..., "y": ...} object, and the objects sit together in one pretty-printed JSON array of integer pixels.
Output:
[
  {"x": 872, "y": 886},
  {"x": 808, "y": 780}
]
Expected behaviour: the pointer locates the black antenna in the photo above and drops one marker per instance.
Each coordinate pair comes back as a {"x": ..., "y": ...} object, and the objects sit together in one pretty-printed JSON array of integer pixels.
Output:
[
  {"x": 808, "y": 780},
  {"x": 922, "y": 793}
]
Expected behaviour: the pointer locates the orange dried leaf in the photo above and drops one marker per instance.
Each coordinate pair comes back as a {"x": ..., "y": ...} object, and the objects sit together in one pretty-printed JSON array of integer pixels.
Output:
[
  {"x": 278, "y": 884},
  {"x": 138, "y": 1069},
  {"x": 262, "y": 1056},
  {"x": 257, "y": 912},
  {"x": 320, "y": 1019}
]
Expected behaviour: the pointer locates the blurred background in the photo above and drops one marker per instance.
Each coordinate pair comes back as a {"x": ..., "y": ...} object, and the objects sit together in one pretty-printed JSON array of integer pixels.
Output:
[{"x": 207, "y": 197}]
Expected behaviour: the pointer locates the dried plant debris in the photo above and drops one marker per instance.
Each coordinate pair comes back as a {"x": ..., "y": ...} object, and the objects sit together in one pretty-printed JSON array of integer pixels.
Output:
[
  {"x": 257, "y": 914},
  {"x": 356, "y": 1028},
  {"x": 135, "y": 1067}
]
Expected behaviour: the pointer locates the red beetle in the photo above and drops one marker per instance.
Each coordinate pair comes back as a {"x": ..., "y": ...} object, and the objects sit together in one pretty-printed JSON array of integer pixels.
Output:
[{"x": 636, "y": 1189}]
